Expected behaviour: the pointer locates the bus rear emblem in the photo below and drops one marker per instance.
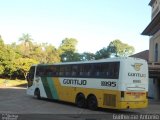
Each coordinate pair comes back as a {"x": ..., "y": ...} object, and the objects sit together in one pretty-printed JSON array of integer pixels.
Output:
[{"x": 137, "y": 66}]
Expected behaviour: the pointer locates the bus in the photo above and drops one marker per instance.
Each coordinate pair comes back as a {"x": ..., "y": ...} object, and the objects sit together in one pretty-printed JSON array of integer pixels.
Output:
[{"x": 114, "y": 83}]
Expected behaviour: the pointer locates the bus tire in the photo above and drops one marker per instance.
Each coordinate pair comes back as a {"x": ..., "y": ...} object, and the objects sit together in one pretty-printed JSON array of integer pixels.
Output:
[
  {"x": 92, "y": 102},
  {"x": 80, "y": 101},
  {"x": 37, "y": 94}
]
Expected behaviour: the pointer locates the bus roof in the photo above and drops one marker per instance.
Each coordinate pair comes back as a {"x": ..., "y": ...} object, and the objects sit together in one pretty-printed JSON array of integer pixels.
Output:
[{"x": 116, "y": 59}]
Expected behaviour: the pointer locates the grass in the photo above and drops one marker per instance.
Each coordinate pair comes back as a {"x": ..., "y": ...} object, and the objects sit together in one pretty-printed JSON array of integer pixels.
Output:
[{"x": 11, "y": 83}]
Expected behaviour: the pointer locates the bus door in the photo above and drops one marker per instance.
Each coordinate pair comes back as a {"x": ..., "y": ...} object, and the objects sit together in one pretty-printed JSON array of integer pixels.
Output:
[{"x": 30, "y": 76}]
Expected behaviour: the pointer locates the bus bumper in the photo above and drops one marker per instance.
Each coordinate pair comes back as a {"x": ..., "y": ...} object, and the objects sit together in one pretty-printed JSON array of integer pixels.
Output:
[{"x": 132, "y": 104}]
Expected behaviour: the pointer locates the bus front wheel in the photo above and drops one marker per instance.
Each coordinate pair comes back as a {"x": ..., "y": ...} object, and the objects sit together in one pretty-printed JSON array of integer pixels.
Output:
[
  {"x": 80, "y": 101},
  {"x": 37, "y": 94},
  {"x": 92, "y": 102}
]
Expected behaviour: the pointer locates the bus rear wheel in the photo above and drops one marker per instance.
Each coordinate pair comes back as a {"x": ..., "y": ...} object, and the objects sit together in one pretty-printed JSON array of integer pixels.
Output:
[
  {"x": 92, "y": 102},
  {"x": 37, "y": 94},
  {"x": 80, "y": 101}
]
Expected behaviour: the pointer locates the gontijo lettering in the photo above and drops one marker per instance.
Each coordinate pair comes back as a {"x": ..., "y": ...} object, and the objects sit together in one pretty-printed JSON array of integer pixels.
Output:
[
  {"x": 74, "y": 82},
  {"x": 136, "y": 74}
]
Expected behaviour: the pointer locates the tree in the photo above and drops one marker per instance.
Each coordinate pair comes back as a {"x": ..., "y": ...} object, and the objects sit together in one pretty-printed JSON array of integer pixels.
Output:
[
  {"x": 70, "y": 56},
  {"x": 7, "y": 55},
  {"x": 87, "y": 56},
  {"x": 67, "y": 50},
  {"x": 26, "y": 44},
  {"x": 1, "y": 56},
  {"x": 1, "y": 41},
  {"x": 102, "y": 53},
  {"x": 118, "y": 49},
  {"x": 8, "y": 61},
  {"x": 45, "y": 53},
  {"x": 26, "y": 39},
  {"x": 1, "y": 69},
  {"x": 52, "y": 55},
  {"x": 68, "y": 45},
  {"x": 23, "y": 65}
]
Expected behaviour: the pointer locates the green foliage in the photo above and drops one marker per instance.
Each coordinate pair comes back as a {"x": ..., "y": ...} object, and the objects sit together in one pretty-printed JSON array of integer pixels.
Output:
[
  {"x": 45, "y": 53},
  {"x": 26, "y": 38},
  {"x": 86, "y": 56},
  {"x": 26, "y": 45},
  {"x": 70, "y": 56},
  {"x": 68, "y": 45},
  {"x": 23, "y": 65},
  {"x": 101, "y": 54},
  {"x": 51, "y": 54},
  {"x": 16, "y": 59},
  {"x": 2, "y": 56},
  {"x": 1, "y": 69},
  {"x": 1, "y": 41},
  {"x": 7, "y": 56},
  {"x": 119, "y": 49},
  {"x": 67, "y": 50}
]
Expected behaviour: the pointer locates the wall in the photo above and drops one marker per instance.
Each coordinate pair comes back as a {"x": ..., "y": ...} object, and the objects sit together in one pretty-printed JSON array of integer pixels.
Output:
[
  {"x": 153, "y": 40},
  {"x": 155, "y": 8}
]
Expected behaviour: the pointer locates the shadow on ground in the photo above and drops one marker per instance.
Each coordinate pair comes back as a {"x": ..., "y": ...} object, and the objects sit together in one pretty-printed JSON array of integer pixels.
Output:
[
  {"x": 104, "y": 110},
  {"x": 22, "y": 85}
]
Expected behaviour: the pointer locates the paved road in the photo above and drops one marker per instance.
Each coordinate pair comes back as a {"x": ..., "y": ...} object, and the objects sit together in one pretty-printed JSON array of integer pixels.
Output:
[{"x": 14, "y": 101}]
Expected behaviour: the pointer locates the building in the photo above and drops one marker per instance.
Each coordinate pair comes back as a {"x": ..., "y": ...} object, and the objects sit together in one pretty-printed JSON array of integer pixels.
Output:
[
  {"x": 143, "y": 55},
  {"x": 153, "y": 30}
]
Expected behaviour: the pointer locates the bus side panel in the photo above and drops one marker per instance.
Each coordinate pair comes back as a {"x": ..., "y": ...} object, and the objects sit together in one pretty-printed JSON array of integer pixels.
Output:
[
  {"x": 38, "y": 83},
  {"x": 54, "y": 90},
  {"x": 49, "y": 87},
  {"x": 106, "y": 98},
  {"x": 64, "y": 93},
  {"x": 69, "y": 94}
]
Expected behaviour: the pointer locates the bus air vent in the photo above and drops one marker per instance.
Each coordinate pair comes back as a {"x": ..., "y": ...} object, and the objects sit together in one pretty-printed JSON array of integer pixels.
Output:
[{"x": 109, "y": 100}]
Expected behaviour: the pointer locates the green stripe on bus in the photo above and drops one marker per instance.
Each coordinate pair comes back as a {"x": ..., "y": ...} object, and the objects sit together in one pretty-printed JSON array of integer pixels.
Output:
[
  {"x": 52, "y": 87},
  {"x": 46, "y": 87}
]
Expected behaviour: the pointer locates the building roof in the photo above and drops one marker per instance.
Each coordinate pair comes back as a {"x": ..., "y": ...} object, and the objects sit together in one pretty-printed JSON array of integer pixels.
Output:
[
  {"x": 143, "y": 55},
  {"x": 153, "y": 26},
  {"x": 151, "y": 2}
]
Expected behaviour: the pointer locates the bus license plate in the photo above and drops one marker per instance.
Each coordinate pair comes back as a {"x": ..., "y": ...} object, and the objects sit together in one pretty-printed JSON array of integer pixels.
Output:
[{"x": 137, "y": 95}]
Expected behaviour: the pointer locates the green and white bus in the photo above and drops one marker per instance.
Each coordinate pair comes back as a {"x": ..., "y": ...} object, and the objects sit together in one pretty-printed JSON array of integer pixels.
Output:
[{"x": 116, "y": 83}]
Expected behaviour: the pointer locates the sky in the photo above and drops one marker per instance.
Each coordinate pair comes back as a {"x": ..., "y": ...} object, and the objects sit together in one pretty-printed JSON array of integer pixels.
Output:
[{"x": 94, "y": 23}]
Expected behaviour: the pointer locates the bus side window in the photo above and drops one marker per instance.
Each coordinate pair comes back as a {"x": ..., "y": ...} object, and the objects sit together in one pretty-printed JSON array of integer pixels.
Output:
[
  {"x": 52, "y": 71},
  {"x": 84, "y": 70},
  {"x": 81, "y": 70},
  {"x": 61, "y": 72},
  {"x": 116, "y": 70},
  {"x": 97, "y": 70},
  {"x": 40, "y": 71},
  {"x": 48, "y": 71},
  {"x": 74, "y": 70},
  {"x": 68, "y": 70},
  {"x": 57, "y": 70},
  {"x": 109, "y": 71},
  {"x": 92, "y": 72}
]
